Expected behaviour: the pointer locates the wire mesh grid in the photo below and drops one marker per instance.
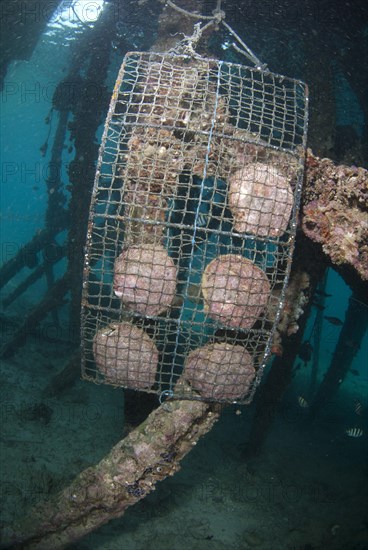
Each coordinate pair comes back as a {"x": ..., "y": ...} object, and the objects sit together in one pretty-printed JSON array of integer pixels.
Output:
[{"x": 192, "y": 226}]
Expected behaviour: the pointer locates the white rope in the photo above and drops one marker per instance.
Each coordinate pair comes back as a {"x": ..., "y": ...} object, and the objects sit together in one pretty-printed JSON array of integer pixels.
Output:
[
  {"x": 189, "y": 43},
  {"x": 246, "y": 51},
  {"x": 187, "y": 13}
]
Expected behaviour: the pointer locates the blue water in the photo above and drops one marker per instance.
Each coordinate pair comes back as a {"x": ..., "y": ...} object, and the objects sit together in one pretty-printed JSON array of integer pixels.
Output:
[{"x": 308, "y": 488}]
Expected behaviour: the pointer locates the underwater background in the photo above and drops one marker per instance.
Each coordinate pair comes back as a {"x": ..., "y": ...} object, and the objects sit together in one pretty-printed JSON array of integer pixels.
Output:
[{"x": 307, "y": 488}]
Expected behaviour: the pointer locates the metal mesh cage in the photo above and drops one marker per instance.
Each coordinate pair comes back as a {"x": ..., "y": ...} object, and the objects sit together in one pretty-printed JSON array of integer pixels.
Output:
[{"x": 192, "y": 225}]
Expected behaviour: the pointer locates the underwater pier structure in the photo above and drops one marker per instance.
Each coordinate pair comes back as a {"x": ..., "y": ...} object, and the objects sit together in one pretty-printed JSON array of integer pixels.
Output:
[{"x": 332, "y": 232}]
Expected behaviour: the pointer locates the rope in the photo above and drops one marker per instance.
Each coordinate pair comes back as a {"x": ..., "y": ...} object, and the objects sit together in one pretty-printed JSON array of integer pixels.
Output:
[
  {"x": 188, "y": 13},
  {"x": 189, "y": 43},
  {"x": 246, "y": 51}
]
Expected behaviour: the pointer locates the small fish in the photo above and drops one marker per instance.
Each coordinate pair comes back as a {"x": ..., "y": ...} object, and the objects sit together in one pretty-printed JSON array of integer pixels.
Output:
[
  {"x": 201, "y": 220},
  {"x": 322, "y": 293},
  {"x": 358, "y": 407},
  {"x": 354, "y": 432},
  {"x": 334, "y": 320},
  {"x": 302, "y": 402},
  {"x": 354, "y": 372}
]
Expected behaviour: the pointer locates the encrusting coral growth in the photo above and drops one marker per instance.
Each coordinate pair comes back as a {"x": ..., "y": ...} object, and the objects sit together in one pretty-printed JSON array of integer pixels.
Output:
[{"x": 335, "y": 211}]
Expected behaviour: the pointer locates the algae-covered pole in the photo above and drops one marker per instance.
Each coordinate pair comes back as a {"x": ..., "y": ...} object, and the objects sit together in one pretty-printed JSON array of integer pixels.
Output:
[
  {"x": 29, "y": 281},
  {"x": 351, "y": 336},
  {"x": 51, "y": 301},
  {"x": 26, "y": 256},
  {"x": 127, "y": 474},
  {"x": 316, "y": 350}
]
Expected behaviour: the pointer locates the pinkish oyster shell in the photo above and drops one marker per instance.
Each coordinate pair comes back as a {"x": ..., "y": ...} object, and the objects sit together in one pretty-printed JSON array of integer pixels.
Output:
[
  {"x": 260, "y": 199},
  {"x": 145, "y": 278},
  {"x": 126, "y": 356},
  {"x": 235, "y": 291},
  {"x": 220, "y": 371}
]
